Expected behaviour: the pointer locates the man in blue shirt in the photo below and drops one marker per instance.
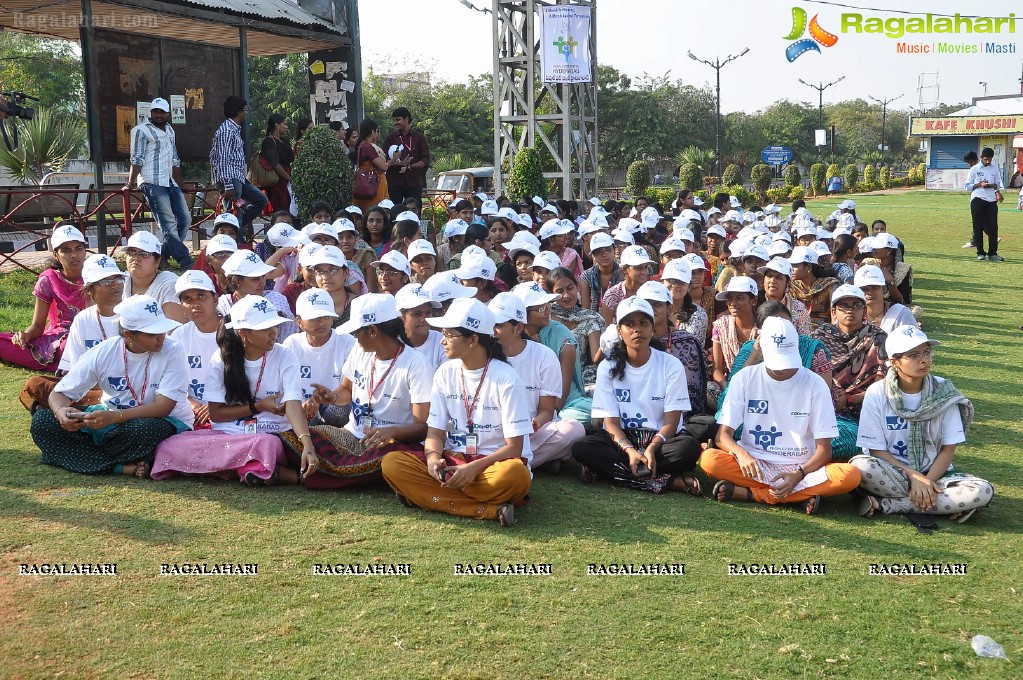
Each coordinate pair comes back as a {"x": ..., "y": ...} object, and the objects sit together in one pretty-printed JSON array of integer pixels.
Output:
[
  {"x": 154, "y": 157},
  {"x": 228, "y": 165},
  {"x": 985, "y": 184}
]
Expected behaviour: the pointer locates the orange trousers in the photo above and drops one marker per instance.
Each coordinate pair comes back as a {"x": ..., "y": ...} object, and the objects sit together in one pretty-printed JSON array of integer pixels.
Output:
[
  {"x": 505, "y": 481},
  {"x": 842, "y": 478}
]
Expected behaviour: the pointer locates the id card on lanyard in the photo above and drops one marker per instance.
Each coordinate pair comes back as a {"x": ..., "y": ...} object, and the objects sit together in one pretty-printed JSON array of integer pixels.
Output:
[
  {"x": 472, "y": 440},
  {"x": 250, "y": 425},
  {"x": 373, "y": 387}
]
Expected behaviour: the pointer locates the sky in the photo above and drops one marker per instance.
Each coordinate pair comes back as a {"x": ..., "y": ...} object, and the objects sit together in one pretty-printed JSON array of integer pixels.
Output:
[{"x": 455, "y": 42}]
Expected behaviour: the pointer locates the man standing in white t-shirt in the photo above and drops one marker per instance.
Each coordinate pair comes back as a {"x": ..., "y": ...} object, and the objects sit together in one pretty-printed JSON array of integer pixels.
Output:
[{"x": 984, "y": 182}]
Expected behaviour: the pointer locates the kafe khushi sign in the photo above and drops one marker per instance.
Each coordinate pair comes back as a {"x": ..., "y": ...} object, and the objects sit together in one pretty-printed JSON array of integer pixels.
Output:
[{"x": 965, "y": 125}]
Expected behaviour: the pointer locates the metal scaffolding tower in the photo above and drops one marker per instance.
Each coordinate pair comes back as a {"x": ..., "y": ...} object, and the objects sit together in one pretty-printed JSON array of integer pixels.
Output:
[{"x": 560, "y": 120}]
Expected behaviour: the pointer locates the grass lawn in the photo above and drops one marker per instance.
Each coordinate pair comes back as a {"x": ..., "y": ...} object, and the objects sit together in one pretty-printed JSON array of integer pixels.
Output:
[{"x": 286, "y": 622}]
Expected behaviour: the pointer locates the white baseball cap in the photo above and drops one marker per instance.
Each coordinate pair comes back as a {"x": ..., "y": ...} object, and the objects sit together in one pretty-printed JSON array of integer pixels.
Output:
[
  {"x": 143, "y": 240},
  {"x": 395, "y": 259},
  {"x": 525, "y": 220},
  {"x": 598, "y": 211},
  {"x": 601, "y": 240},
  {"x": 686, "y": 216},
  {"x": 343, "y": 224},
  {"x": 697, "y": 201},
  {"x": 314, "y": 304},
  {"x": 779, "y": 343},
  {"x": 847, "y": 291},
  {"x": 538, "y": 201},
  {"x": 821, "y": 248},
  {"x": 386, "y": 204},
  {"x": 673, "y": 245},
  {"x": 654, "y": 291},
  {"x": 468, "y": 313},
  {"x": 305, "y": 255},
  {"x": 489, "y": 208},
  {"x": 732, "y": 216},
  {"x": 777, "y": 264},
  {"x": 160, "y": 103},
  {"x": 595, "y": 201},
  {"x": 717, "y": 230},
  {"x": 455, "y": 227},
  {"x": 677, "y": 270},
  {"x": 623, "y": 236},
  {"x": 734, "y": 202},
  {"x": 368, "y": 310},
  {"x": 737, "y": 248},
  {"x": 869, "y": 275},
  {"x": 62, "y": 235},
  {"x": 481, "y": 195},
  {"x": 413, "y": 295},
  {"x": 444, "y": 286},
  {"x": 532, "y": 294},
  {"x": 420, "y": 247},
  {"x": 738, "y": 284},
  {"x": 630, "y": 225},
  {"x": 194, "y": 279},
  {"x": 783, "y": 236},
  {"x": 634, "y": 256},
  {"x": 631, "y": 305},
  {"x": 683, "y": 234},
  {"x": 254, "y": 312},
  {"x": 521, "y": 237},
  {"x": 554, "y": 228},
  {"x": 885, "y": 240},
  {"x": 546, "y": 260},
  {"x": 866, "y": 245},
  {"x": 779, "y": 247},
  {"x": 225, "y": 218},
  {"x": 759, "y": 252},
  {"x": 508, "y": 307},
  {"x": 353, "y": 210},
  {"x": 763, "y": 240},
  {"x": 806, "y": 230},
  {"x": 407, "y": 215},
  {"x": 847, "y": 204},
  {"x": 549, "y": 208},
  {"x": 713, "y": 211},
  {"x": 99, "y": 267},
  {"x": 587, "y": 227},
  {"x": 220, "y": 243},
  {"x": 803, "y": 255},
  {"x": 143, "y": 314},
  {"x": 521, "y": 247},
  {"x": 903, "y": 339},
  {"x": 772, "y": 209},
  {"x": 246, "y": 263},
  {"x": 508, "y": 214},
  {"x": 476, "y": 264},
  {"x": 823, "y": 233},
  {"x": 322, "y": 229},
  {"x": 695, "y": 262},
  {"x": 331, "y": 255},
  {"x": 284, "y": 235}
]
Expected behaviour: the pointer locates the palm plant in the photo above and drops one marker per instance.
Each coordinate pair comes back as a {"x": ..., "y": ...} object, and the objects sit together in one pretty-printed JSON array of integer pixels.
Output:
[
  {"x": 701, "y": 158},
  {"x": 45, "y": 144}
]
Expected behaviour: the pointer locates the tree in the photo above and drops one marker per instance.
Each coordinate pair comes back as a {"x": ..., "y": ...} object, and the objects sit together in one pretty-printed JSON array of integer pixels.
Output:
[
  {"x": 694, "y": 155},
  {"x": 322, "y": 172},
  {"x": 731, "y": 175},
  {"x": 637, "y": 178},
  {"x": 526, "y": 178},
  {"x": 818, "y": 181},
  {"x": 47, "y": 69},
  {"x": 689, "y": 177}
]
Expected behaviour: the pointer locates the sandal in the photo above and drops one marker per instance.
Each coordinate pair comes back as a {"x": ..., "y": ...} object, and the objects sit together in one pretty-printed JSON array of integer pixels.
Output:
[
  {"x": 587, "y": 475},
  {"x": 506, "y": 515},
  {"x": 868, "y": 506},
  {"x": 691, "y": 485},
  {"x": 252, "y": 480},
  {"x": 727, "y": 490},
  {"x": 404, "y": 501},
  {"x": 961, "y": 517},
  {"x": 812, "y": 505}
]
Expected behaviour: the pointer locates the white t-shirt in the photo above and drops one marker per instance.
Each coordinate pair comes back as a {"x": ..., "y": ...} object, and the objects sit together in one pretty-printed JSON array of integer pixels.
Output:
[
  {"x": 897, "y": 315},
  {"x": 432, "y": 350},
  {"x": 88, "y": 329},
  {"x": 199, "y": 349},
  {"x": 320, "y": 365},
  {"x": 161, "y": 289},
  {"x": 280, "y": 375},
  {"x": 103, "y": 367},
  {"x": 500, "y": 413},
  {"x": 645, "y": 395},
  {"x": 781, "y": 419},
  {"x": 407, "y": 383},
  {"x": 540, "y": 372},
  {"x": 882, "y": 430}
]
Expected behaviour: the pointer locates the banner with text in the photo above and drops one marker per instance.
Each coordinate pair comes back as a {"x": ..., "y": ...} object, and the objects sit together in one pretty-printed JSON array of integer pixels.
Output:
[{"x": 565, "y": 46}]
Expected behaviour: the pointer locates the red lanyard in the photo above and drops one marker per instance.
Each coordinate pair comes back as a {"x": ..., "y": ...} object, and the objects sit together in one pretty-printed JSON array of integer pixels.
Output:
[
  {"x": 102, "y": 330},
  {"x": 372, "y": 371},
  {"x": 470, "y": 408},
  {"x": 259, "y": 381},
  {"x": 408, "y": 144},
  {"x": 145, "y": 376}
]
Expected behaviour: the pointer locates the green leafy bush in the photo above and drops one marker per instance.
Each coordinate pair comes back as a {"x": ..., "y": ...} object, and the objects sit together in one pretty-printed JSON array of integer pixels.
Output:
[
  {"x": 852, "y": 176},
  {"x": 703, "y": 195},
  {"x": 322, "y": 172},
  {"x": 833, "y": 170},
  {"x": 818, "y": 180},
  {"x": 746, "y": 198},
  {"x": 796, "y": 193},
  {"x": 526, "y": 177},
  {"x": 732, "y": 175},
  {"x": 885, "y": 177},
  {"x": 922, "y": 170},
  {"x": 637, "y": 178},
  {"x": 869, "y": 174},
  {"x": 913, "y": 176},
  {"x": 778, "y": 194},
  {"x": 792, "y": 175},
  {"x": 689, "y": 177},
  {"x": 761, "y": 176}
]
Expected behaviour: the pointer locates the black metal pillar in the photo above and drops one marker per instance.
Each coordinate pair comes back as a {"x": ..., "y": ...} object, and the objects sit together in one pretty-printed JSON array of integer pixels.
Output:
[{"x": 92, "y": 119}]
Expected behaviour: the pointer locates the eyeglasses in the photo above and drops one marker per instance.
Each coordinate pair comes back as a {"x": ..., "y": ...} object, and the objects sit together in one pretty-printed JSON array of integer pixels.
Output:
[
  {"x": 222, "y": 255},
  {"x": 451, "y": 335},
  {"x": 387, "y": 272},
  {"x": 110, "y": 281},
  {"x": 326, "y": 271},
  {"x": 136, "y": 254},
  {"x": 540, "y": 308},
  {"x": 849, "y": 306},
  {"x": 917, "y": 356}
]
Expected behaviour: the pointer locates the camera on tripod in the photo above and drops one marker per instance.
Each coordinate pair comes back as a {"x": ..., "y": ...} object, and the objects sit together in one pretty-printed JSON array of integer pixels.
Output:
[{"x": 14, "y": 106}]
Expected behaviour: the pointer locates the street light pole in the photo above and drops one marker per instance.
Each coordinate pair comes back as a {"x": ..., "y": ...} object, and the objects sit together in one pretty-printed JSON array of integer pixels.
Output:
[
  {"x": 717, "y": 64},
  {"x": 820, "y": 90},
  {"x": 884, "y": 115}
]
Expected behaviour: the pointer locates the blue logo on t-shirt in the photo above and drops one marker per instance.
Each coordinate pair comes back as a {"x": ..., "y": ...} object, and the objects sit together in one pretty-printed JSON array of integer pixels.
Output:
[
  {"x": 194, "y": 361},
  {"x": 119, "y": 384},
  {"x": 197, "y": 388},
  {"x": 359, "y": 411},
  {"x": 900, "y": 448},
  {"x": 457, "y": 439},
  {"x": 765, "y": 438},
  {"x": 118, "y": 404},
  {"x": 623, "y": 396},
  {"x": 895, "y": 423},
  {"x": 359, "y": 380},
  {"x": 89, "y": 344},
  {"x": 758, "y": 406},
  {"x": 632, "y": 422},
  {"x": 306, "y": 371}
]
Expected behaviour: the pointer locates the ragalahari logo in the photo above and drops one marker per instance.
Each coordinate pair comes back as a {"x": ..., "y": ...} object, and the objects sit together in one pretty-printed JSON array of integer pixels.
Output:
[{"x": 803, "y": 45}]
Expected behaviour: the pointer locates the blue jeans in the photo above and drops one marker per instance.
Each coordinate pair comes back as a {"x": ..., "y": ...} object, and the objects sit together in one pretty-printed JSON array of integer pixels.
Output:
[
  {"x": 171, "y": 212},
  {"x": 256, "y": 199}
]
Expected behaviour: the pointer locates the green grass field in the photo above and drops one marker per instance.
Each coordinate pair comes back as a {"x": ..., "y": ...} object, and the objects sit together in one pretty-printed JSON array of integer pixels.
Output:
[{"x": 286, "y": 622}]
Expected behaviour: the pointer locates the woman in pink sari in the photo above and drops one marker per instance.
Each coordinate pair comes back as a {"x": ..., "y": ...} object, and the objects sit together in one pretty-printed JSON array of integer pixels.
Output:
[{"x": 59, "y": 297}]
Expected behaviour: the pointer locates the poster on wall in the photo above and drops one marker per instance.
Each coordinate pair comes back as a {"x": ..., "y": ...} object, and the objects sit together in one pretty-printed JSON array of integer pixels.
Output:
[
  {"x": 125, "y": 122},
  {"x": 332, "y": 87},
  {"x": 565, "y": 44},
  {"x": 177, "y": 103}
]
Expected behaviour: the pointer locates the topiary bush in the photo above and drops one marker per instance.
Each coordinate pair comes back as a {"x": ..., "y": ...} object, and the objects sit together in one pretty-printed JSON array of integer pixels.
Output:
[
  {"x": 921, "y": 170},
  {"x": 689, "y": 177},
  {"x": 885, "y": 177},
  {"x": 796, "y": 192},
  {"x": 869, "y": 174},
  {"x": 322, "y": 172},
  {"x": 852, "y": 176},
  {"x": 637, "y": 178},
  {"x": 833, "y": 170},
  {"x": 792, "y": 175},
  {"x": 732, "y": 175},
  {"x": 777, "y": 194},
  {"x": 818, "y": 180},
  {"x": 913, "y": 176},
  {"x": 526, "y": 177},
  {"x": 761, "y": 176}
]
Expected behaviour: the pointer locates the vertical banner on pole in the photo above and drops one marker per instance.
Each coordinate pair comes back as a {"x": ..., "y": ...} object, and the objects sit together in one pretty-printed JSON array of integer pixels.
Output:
[{"x": 565, "y": 46}]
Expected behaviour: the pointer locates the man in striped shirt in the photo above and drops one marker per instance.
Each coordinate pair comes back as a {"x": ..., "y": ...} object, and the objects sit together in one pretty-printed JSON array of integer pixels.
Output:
[
  {"x": 227, "y": 165},
  {"x": 154, "y": 158}
]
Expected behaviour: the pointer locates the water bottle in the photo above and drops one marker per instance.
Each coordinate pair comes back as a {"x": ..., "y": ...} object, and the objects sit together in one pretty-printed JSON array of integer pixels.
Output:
[{"x": 986, "y": 647}]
